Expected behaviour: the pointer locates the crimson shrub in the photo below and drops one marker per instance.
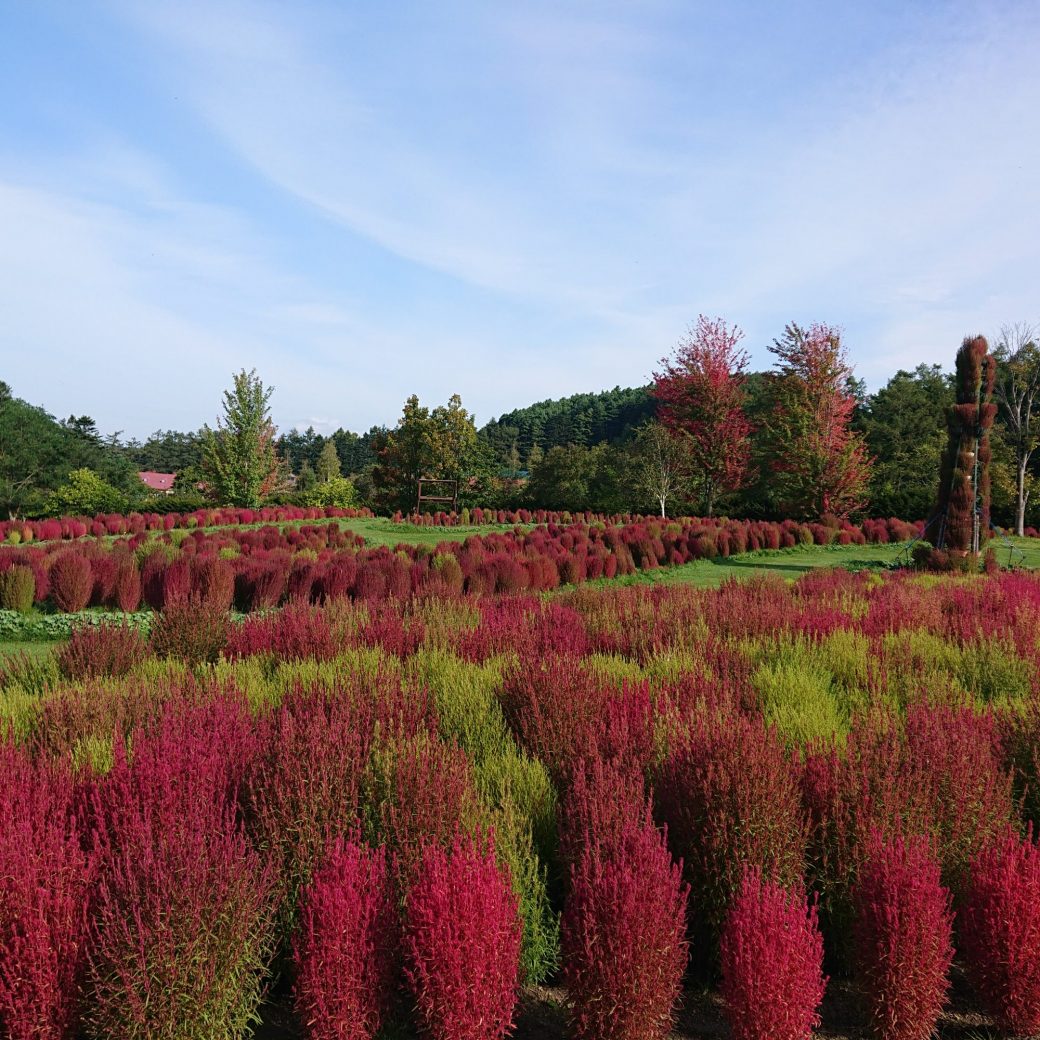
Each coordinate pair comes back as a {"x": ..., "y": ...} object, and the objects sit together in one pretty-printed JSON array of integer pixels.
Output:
[
  {"x": 903, "y": 929},
  {"x": 623, "y": 934},
  {"x": 772, "y": 962},
  {"x": 462, "y": 943},
  {"x": 346, "y": 947},
  {"x": 44, "y": 895},
  {"x": 999, "y": 931}
]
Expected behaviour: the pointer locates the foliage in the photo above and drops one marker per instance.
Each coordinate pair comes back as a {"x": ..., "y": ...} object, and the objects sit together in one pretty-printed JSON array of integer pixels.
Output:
[
  {"x": 582, "y": 419},
  {"x": 37, "y": 454},
  {"x": 772, "y": 963},
  {"x": 905, "y": 432},
  {"x": 336, "y": 491},
  {"x": 72, "y": 582},
  {"x": 965, "y": 467},
  {"x": 346, "y": 948},
  {"x": 903, "y": 938},
  {"x": 1017, "y": 393},
  {"x": 239, "y": 459},
  {"x": 623, "y": 933},
  {"x": 462, "y": 943},
  {"x": 192, "y": 632},
  {"x": 661, "y": 465},
  {"x": 817, "y": 462},
  {"x": 178, "y": 950},
  {"x": 101, "y": 651},
  {"x": 573, "y": 477},
  {"x": 44, "y": 900},
  {"x": 999, "y": 932},
  {"x": 439, "y": 444},
  {"x": 701, "y": 396},
  {"x": 84, "y": 493},
  {"x": 17, "y": 589}
]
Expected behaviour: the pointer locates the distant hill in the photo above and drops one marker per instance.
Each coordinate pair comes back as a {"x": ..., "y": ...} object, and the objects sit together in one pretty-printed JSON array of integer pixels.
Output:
[{"x": 584, "y": 419}]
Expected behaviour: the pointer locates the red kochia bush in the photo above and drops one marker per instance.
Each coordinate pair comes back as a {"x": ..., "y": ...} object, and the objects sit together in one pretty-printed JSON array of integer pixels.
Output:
[
  {"x": 72, "y": 582},
  {"x": 772, "y": 963},
  {"x": 100, "y": 651},
  {"x": 623, "y": 935},
  {"x": 462, "y": 943},
  {"x": 181, "y": 924},
  {"x": 44, "y": 877},
  {"x": 999, "y": 930},
  {"x": 903, "y": 928},
  {"x": 346, "y": 948},
  {"x": 730, "y": 797}
]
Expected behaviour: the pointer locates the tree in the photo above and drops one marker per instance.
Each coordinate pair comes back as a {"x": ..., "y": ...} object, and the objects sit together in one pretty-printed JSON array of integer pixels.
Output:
[
  {"x": 240, "y": 463},
  {"x": 85, "y": 494},
  {"x": 701, "y": 395},
  {"x": 441, "y": 445},
  {"x": 1017, "y": 393},
  {"x": 819, "y": 463},
  {"x": 577, "y": 478},
  {"x": 904, "y": 424},
  {"x": 660, "y": 464},
  {"x": 37, "y": 454},
  {"x": 328, "y": 467},
  {"x": 962, "y": 509},
  {"x": 305, "y": 479}
]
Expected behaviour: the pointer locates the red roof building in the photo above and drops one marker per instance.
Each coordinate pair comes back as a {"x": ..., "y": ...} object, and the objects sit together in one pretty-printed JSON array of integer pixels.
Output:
[{"x": 162, "y": 483}]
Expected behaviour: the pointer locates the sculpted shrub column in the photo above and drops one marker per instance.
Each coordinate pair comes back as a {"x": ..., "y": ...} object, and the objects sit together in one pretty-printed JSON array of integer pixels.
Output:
[{"x": 964, "y": 477}]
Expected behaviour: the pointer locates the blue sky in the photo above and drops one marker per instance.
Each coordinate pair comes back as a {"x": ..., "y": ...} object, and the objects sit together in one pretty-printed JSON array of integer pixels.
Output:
[{"x": 508, "y": 201}]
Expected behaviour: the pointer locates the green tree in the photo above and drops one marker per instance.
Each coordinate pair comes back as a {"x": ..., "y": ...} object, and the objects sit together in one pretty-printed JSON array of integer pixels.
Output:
[
  {"x": 328, "y": 465},
  {"x": 577, "y": 478},
  {"x": 905, "y": 428},
  {"x": 306, "y": 480},
  {"x": 85, "y": 494},
  {"x": 441, "y": 444},
  {"x": 240, "y": 463},
  {"x": 37, "y": 454}
]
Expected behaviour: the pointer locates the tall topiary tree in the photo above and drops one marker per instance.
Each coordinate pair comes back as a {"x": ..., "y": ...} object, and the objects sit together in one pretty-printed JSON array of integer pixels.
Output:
[{"x": 964, "y": 488}]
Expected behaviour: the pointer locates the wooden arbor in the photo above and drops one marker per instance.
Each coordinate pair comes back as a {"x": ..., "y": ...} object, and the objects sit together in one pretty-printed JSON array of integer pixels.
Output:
[{"x": 440, "y": 492}]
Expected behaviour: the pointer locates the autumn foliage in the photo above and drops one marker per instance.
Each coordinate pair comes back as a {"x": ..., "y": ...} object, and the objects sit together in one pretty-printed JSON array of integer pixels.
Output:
[{"x": 701, "y": 395}]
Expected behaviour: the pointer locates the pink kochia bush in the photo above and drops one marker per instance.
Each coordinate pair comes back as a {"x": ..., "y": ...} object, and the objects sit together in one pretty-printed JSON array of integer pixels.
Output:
[
  {"x": 772, "y": 963},
  {"x": 346, "y": 947},
  {"x": 44, "y": 877},
  {"x": 999, "y": 929},
  {"x": 181, "y": 926},
  {"x": 623, "y": 934},
  {"x": 903, "y": 938},
  {"x": 462, "y": 943}
]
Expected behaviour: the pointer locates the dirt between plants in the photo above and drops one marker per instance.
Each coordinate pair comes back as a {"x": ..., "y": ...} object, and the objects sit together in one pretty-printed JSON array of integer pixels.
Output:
[{"x": 542, "y": 1015}]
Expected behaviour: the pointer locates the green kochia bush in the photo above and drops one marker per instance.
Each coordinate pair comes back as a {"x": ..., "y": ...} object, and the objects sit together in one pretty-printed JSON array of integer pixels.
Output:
[
  {"x": 17, "y": 589},
  {"x": 798, "y": 699}
]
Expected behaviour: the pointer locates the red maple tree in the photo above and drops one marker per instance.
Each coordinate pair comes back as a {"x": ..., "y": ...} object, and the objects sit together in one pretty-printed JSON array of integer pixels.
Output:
[{"x": 701, "y": 396}]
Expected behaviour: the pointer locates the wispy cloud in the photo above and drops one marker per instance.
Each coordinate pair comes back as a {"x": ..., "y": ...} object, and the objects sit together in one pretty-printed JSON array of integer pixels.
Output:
[{"x": 517, "y": 202}]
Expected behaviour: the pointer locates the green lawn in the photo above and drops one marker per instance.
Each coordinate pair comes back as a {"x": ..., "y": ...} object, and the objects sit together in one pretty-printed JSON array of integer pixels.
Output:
[
  {"x": 32, "y": 649},
  {"x": 381, "y": 531},
  {"x": 791, "y": 563}
]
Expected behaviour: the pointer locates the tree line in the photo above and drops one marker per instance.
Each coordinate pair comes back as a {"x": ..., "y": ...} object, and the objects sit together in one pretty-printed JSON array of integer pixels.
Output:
[{"x": 707, "y": 435}]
